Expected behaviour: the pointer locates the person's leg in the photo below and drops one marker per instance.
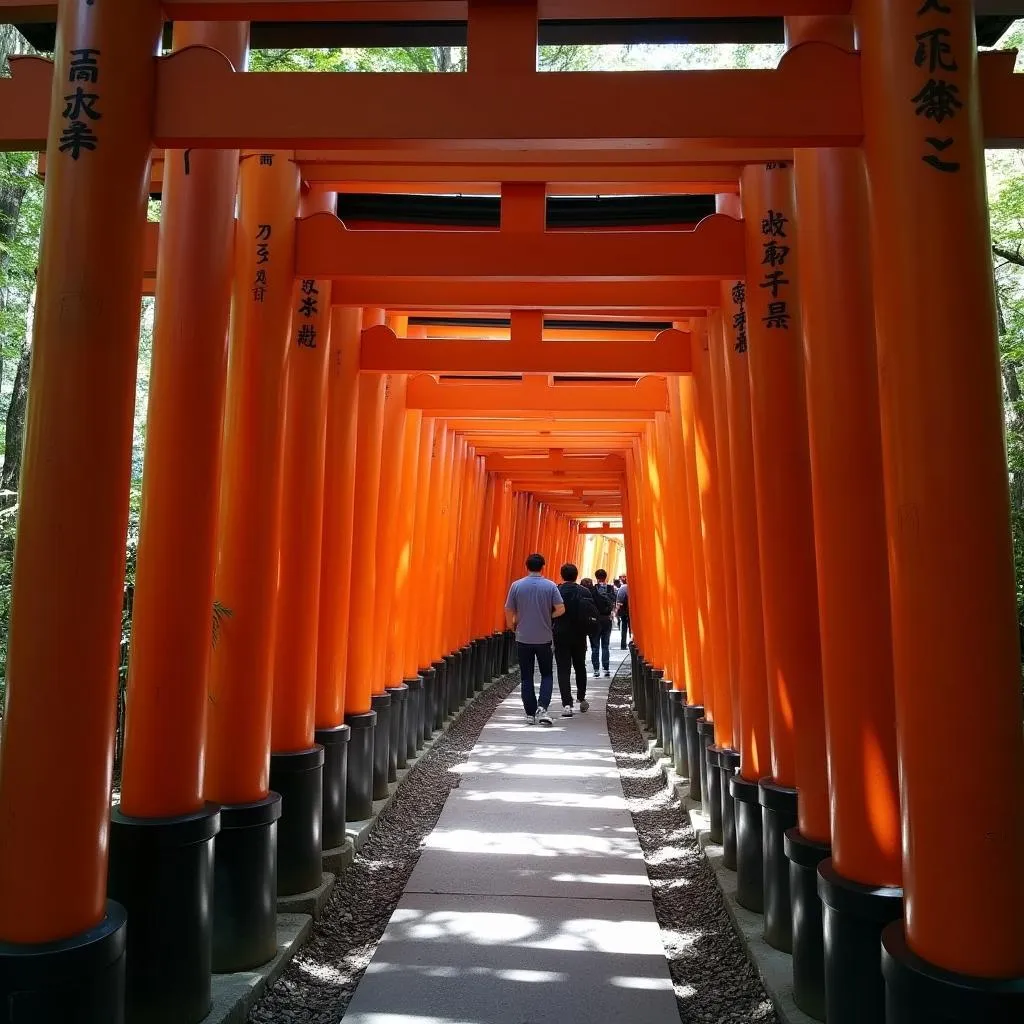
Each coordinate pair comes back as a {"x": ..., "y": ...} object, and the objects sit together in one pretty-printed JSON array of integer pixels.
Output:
[
  {"x": 564, "y": 666},
  {"x": 579, "y": 662},
  {"x": 595, "y": 650},
  {"x": 624, "y": 630},
  {"x": 527, "y": 654},
  {"x": 606, "y": 644},
  {"x": 547, "y": 682}
]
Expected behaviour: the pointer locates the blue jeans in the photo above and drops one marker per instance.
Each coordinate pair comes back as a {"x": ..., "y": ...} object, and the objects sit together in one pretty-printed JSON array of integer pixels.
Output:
[
  {"x": 545, "y": 658},
  {"x": 602, "y": 637}
]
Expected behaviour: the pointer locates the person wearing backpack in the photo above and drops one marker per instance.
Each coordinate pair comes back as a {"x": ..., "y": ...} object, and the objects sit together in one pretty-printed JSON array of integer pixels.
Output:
[
  {"x": 604, "y": 599},
  {"x": 571, "y": 632},
  {"x": 622, "y": 611}
]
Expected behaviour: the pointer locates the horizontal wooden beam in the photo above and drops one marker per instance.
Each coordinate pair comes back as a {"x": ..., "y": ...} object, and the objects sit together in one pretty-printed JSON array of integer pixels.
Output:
[
  {"x": 383, "y": 352},
  {"x": 813, "y": 99},
  {"x": 535, "y": 396},
  {"x": 714, "y": 250},
  {"x": 557, "y": 465}
]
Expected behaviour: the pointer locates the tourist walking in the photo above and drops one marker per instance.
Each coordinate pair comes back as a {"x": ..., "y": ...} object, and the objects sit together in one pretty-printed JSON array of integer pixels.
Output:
[
  {"x": 604, "y": 599},
  {"x": 532, "y": 604},
  {"x": 622, "y": 612},
  {"x": 571, "y": 632}
]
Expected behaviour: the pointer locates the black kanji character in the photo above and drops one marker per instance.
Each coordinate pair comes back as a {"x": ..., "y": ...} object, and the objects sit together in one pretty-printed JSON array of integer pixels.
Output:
[
  {"x": 308, "y": 307},
  {"x": 947, "y": 166},
  {"x": 933, "y": 50},
  {"x": 266, "y": 159},
  {"x": 774, "y": 281},
  {"x": 739, "y": 293},
  {"x": 259, "y": 293},
  {"x": 263, "y": 235},
  {"x": 76, "y": 137},
  {"x": 934, "y": 5},
  {"x": 309, "y": 287},
  {"x": 774, "y": 254},
  {"x": 83, "y": 66},
  {"x": 938, "y": 100},
  {"x": 778, "y": 316},
  {"x": 774, "y": 224},
  {"x": 261, "y": 277},
  {"x": 262, "y": 253},
  {"x": 81, "y": 102},
  {"x": 306, "y": 336}
]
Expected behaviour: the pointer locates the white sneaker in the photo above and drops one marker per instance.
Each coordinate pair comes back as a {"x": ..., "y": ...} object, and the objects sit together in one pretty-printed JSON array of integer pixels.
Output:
[
  {"x": 607, "y": 674},
  {"x": 597, "y": 674},
  {"x": 543, "y": 718},
  {"x": 567, "y": 711},
  {"x": 584, "y": 706}
]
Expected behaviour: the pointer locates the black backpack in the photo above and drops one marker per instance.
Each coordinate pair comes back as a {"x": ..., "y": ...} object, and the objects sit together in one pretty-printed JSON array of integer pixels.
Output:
[
  {"x": 603, "y": 600},
  {"x": 580, "y": 612}
]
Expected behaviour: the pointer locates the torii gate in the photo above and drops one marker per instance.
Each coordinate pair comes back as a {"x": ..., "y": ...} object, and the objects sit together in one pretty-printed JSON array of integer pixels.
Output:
[{"x": 785, "y": 466}]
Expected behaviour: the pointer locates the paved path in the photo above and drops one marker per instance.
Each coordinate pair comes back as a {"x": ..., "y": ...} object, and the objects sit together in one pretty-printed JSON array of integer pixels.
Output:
[{"x": 530, "y": 903}]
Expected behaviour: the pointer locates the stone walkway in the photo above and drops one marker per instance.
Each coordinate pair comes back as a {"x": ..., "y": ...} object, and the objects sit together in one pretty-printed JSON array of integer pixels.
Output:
[{"x": 530, "y": 902}]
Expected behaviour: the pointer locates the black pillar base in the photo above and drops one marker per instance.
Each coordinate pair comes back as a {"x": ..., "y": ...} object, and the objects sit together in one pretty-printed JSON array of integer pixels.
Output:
[
  {"x": 245, "y": 885},
  {"x": 332, "y": 823},
  {"x": 299, "y": 778},
  {"x": 667, "y": 686},
  {"x": 413, "y": 717},
  {"x": 161, "y": 872},
  {"x": 451, "y": 680},
  {"x": 917, "y": 991},
  {"x": 778, "y": 813},
  {"x": 804, "y": 856},
  {"x": 654, "y": 700},
  {"x": 643, "y": 673},
  {"x": 749, "y": 844},
  {"x": 729, "y": 763},
  {"x": 692, "y": 714},
  {"x": 81, "y": 979},
  {"x": 853, "y": 916},
  {"x": 480, "y": 676},
  {"x": 705, "y": 738},
  {"x": 713, "y": 807},
  {"x": 429, "y": 677},
  {"x": 467, "y": 674},
  {"x": 359, "y": 783},
  {"x": 440, "y": 693},
  {"x": 676, "y": 706},
  {"x": 381, "y": 703},
  {"x": 399, "y": 716}
]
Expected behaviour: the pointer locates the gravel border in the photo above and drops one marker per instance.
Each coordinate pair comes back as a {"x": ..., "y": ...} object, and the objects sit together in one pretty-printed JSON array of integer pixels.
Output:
[
  {"x": 318, "y": 984},
  {"x": 715, "y": 982}
]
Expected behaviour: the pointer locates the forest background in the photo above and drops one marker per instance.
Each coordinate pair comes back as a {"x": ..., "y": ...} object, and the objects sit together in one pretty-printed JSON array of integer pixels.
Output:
[{"x": 21, "y": 205}]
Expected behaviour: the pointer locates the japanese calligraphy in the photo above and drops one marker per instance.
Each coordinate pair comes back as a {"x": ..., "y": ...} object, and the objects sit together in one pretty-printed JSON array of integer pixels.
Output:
[
  {"x": 739, "y": 318},
  {"x": 306, "y": 336},
  {"x": 309, "y": 305},
  {"x": 266, "y": 159},
  {"x": 774, "y": 226},
  {"x": 260, "y": 284},
  {"x": 80, "y": 107},
  {"x": 939, "y": 98}
]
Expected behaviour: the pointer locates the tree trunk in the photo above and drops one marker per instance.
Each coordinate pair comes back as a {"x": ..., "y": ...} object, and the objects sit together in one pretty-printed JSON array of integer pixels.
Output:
[{"x": 10, "y": 475}]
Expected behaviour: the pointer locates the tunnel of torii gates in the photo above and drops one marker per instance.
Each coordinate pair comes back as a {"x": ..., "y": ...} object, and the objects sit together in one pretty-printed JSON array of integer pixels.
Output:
[{"x": 789, "y": 413}]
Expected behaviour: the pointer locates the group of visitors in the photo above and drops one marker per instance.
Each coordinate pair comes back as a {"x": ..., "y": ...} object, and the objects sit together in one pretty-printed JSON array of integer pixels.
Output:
[{"x": 553, "y": 624}]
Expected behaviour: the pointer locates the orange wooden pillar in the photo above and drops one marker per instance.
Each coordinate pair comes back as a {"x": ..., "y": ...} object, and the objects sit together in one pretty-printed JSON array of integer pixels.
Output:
[
  {"x": 717, "y": 729},
  {"x": 786, "y": 534},
  {"x": 403, "y": 662},
  {"x": 346, "y": 739},
  {"x": 728, "y": 754},
  {"x": 430, "y": 639},
  {"x": 363, "y": 690},
  {"x": 162, "y": 827},
  {"x": 249, "y": 532},
  {"x": 296, "y": 760},
  {"x": 58, "y": 729},
  {"x": 754, "y": 732},
  {"x": 860, "y": 884},
  {"x": 392, "y": 441},
  {"x": 959, "y": 955}
]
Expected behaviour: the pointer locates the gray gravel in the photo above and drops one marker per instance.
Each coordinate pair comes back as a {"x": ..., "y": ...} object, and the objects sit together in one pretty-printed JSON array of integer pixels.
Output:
[
  {"x": 318, "y": 984},
  {"x": 714, "y": 981}
]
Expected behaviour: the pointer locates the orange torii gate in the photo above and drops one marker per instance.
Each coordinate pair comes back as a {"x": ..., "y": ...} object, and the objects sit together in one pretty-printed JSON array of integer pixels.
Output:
[{"x": 808, "y": 562}]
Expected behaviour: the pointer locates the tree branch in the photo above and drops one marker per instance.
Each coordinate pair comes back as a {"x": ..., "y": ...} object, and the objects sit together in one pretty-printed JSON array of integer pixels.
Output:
[{"x": 1006, "y": 254}]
